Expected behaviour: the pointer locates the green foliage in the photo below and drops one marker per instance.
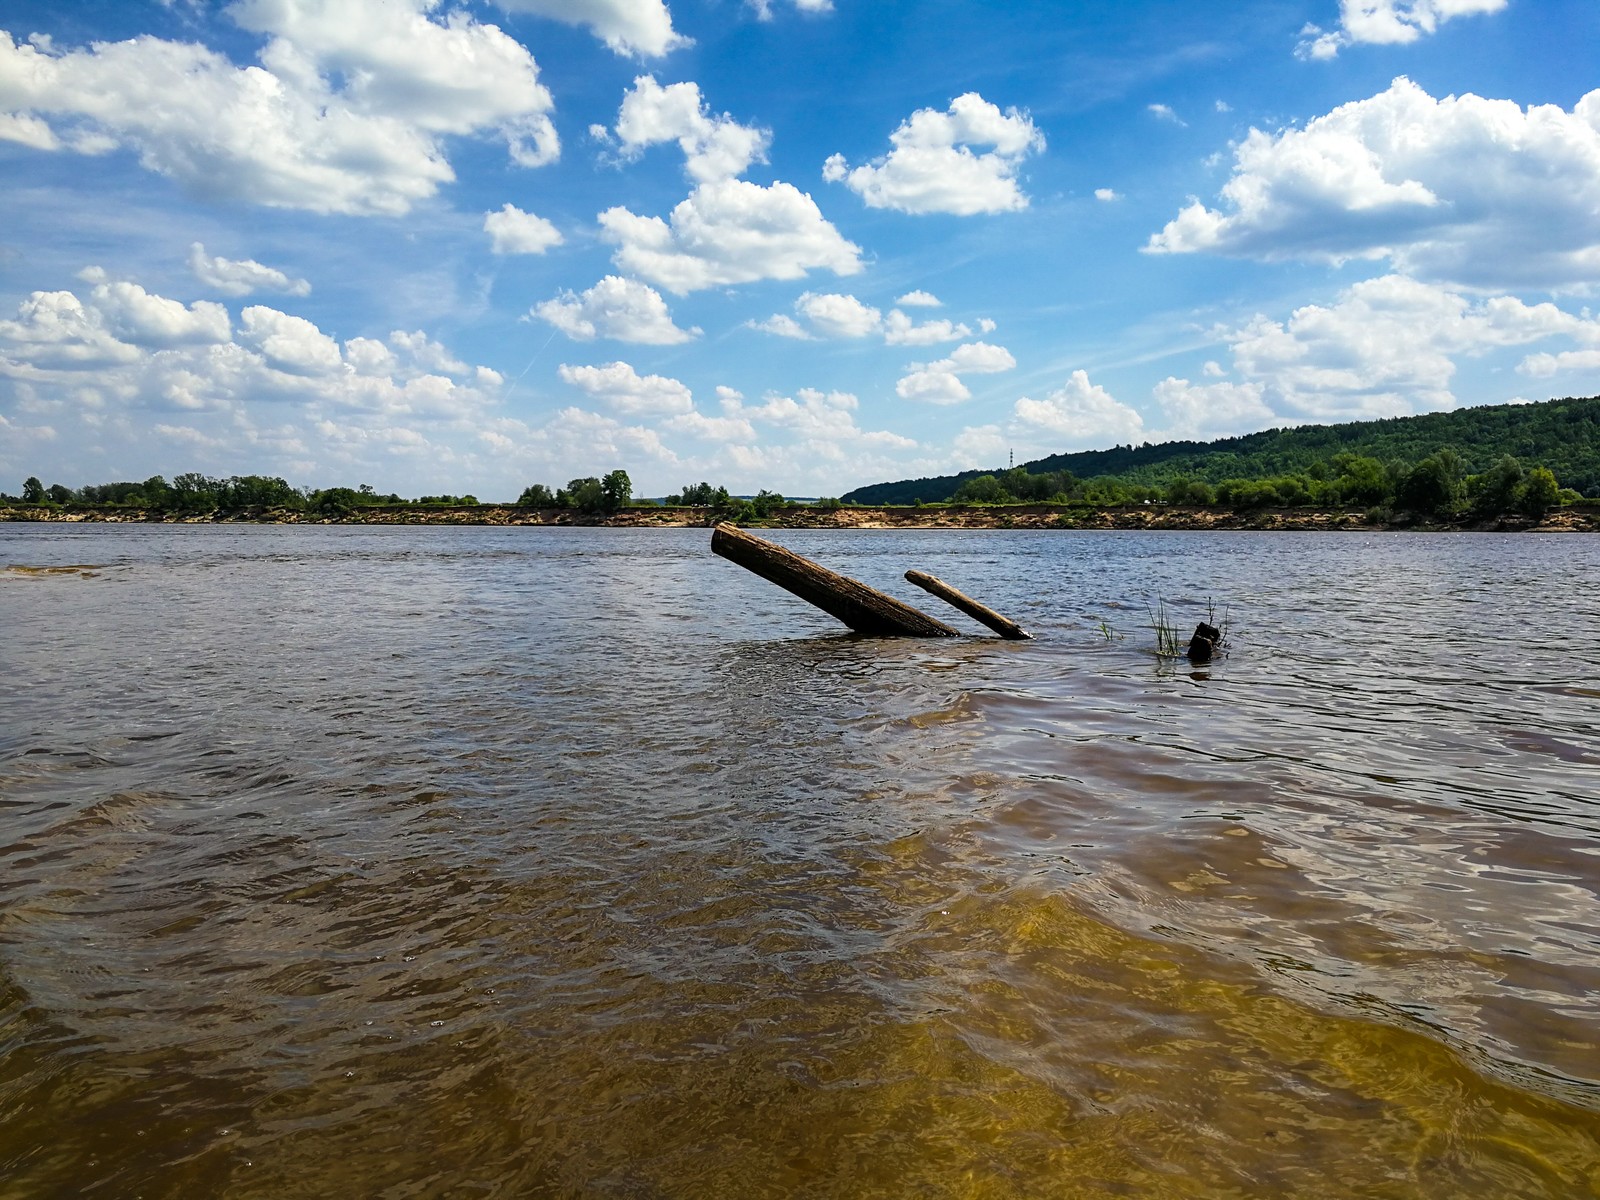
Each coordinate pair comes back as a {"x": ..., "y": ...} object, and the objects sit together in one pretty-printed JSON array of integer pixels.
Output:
[
  {"x": 1563, "y": 435},
  {"x": 537, "y": 496},
  {"x": 616, "y": 489},
  {"x": 1540, "y": 492},
  {"x": 1435, "y": 487},
  {"x": 699, "y": 495},
  {"x": 32, "y": 490}
]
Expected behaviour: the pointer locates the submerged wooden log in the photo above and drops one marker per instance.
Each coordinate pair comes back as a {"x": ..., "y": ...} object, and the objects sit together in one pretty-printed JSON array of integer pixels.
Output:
[
  {"x": 1004, "y": 626},
  {"x": 862, "y": 608}
]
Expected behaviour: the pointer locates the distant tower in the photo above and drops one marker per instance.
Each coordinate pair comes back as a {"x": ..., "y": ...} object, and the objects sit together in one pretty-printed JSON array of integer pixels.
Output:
[{"x": 1011, "y": 459}]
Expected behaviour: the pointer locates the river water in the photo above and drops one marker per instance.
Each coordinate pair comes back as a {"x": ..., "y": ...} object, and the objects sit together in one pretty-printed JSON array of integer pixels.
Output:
[{"x": 414, "y": 862}]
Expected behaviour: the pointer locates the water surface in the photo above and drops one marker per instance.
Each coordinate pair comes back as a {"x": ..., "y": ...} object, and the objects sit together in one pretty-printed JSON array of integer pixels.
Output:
[{"x": 511, "y": 862}]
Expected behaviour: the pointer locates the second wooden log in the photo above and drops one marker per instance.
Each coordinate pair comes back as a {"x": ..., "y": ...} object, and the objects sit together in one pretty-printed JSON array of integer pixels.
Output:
[
  {"x": 1004, "y": 626},
  {"x": 864, "y": 609}
]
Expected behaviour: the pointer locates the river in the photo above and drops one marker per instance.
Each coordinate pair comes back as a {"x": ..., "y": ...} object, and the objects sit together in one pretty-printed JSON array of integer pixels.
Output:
[{"x": 416, "y": 862}]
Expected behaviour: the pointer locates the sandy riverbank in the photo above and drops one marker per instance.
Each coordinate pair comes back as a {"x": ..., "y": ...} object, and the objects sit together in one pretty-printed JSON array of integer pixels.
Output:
[{"x": 1577, "y": 519}]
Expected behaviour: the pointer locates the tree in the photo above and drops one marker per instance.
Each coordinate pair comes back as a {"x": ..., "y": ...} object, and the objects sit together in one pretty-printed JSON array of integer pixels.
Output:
[
  {"x": 1433, "y": 487},
  {"x": 1540, "y": 492},
  {"x": 1496, "y": 490},
  {"x": 616, "y": 489},
  {"x": 984, "y": 489},
  {"x": 59, "y": 493},
  {"x": 585, "y": 495},
  {"x": 32, "y": 490},
  {"x": 537, "y": 496}
]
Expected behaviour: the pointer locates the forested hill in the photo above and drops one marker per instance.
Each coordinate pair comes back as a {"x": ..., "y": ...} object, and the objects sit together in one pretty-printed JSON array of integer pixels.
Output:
[{"x": 1563, "y": 435}]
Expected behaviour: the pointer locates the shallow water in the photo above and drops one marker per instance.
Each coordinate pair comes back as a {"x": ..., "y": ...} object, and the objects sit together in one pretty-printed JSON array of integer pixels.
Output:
[{"x": 512, "y": 862}]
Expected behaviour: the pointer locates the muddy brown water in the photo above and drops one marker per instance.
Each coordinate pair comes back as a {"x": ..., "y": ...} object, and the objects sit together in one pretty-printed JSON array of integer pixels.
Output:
[{"x": 546, "y": 862}]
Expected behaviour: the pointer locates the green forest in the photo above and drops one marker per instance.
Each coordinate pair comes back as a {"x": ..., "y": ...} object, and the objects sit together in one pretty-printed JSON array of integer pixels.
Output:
[{"x": 1425, "y": 463}]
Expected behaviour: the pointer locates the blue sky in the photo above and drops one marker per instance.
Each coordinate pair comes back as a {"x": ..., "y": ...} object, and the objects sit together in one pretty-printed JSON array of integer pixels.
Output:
[{"x": 790, "y": 244}]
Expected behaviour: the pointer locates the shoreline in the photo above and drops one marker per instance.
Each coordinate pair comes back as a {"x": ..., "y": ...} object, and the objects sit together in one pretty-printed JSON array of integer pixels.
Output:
[{"x": 1579, "y": 518}]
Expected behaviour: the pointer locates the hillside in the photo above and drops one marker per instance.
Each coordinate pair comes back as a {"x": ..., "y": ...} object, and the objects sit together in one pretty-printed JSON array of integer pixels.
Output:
[{"x": 1563, "y": 435}]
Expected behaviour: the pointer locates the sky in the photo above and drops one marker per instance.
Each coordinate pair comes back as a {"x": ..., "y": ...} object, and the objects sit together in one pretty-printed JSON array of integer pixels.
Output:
[{"x": 803, "y": 245}]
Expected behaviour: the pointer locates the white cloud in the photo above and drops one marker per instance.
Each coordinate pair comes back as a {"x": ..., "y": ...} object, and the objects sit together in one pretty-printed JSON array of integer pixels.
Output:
[
  {"x": 1207, "y": 411},
  {"x": 714, "y": 147},
  {"x": 623, "y": 309},
  {"x": 726, "y": 232},
  {"x": 932, "y": 385},
  {"x": 919, "y": 299},
  {"x": 1165, "y": 113},
  {"x": 940, "y": 382},
  {"x": 763, "y": 8},
  {"x": 712, "y": 429},
  {"x": 822, "y": 420},
  {"x": 638, "y": 27},
  {"x": 345, "y": 113},
  {"x": 901, "y": 330},
  {"x": 834, "y": 315},
  {"x": 782, "y": 326},
  {"x": 27, "y": 131},
  {"x": 1386, "y": 348},
  {"x": 289, "y": 344},
  {"x": 933, "y": 167},
  {"x": 1106, "y": 195},
  {"x": 630, "y": 393},
  {"x": 512, "y": 231},
  {"x": 251, "y": 402},
  {"x": 241, "y": 277},
  {"x": 134, "y": 316},
  {"x": 1083, "y": 413},
  {"x": 1542, "y": 366},
  {"x": 1387, "y": 23},
  {"x": 54, "y": 331},
  {"x": 838, "y": 316},
  {"x": 1466, "y": 190}
]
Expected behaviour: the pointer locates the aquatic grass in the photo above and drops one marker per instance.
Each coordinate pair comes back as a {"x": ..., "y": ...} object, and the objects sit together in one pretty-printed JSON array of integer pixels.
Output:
[{"x": 1170, "y": 641}]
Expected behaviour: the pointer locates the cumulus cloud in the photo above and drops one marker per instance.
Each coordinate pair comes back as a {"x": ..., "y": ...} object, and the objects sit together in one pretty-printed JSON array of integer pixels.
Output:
[
  {"x": 1544, "y": 365},
  {"x": 241, "y": 277},
  {"x": 1475, "y": 192},
  {"x": 940, "y": 382},
  {"x": 900, "y": 330},
  {"x": 250, "y": 395},
  {"x": 714, "y": 147},
  {"x": 635, "y": 27},
  {"x": 630, "y": 393},
  {"x": 934, "y": 168},
  {"x": 781, "y": 325},
  {"x": 1386, "y": 347},
  {"x": 919, "y": 299},
  {"x": 512, "y": 231},
  {"x": 838, "y": 316},
  {"x": 835, "y": 315},
  {"x": 1106, "y": 195},
  {"x": 727, "y": 232},
  {"x": 623, "y": 309},
  {"x": 290, "y": 344},
  {"x": 1165, "y": 113},
  {"x": 1082, "y": 413},
  {"x": 821, "y": 419},
  {"x": 345, "y": 113},
  {"x": 1387, "y": 23},
  {"x": 56, "y": 330},
  {"x": 1213, "y": 410},
  {"x": 763, "y": 8}
]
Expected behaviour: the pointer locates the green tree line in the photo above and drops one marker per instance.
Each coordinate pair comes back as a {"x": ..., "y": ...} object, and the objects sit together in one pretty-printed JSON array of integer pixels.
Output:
[
  {"x": 1439, "y": 486},
  {"x": 1562, "y": 436}
]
